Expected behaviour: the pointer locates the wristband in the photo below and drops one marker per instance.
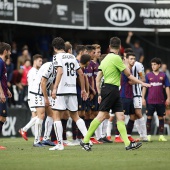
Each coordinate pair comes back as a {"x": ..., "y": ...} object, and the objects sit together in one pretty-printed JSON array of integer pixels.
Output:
[{"x": 99, "y": 94}]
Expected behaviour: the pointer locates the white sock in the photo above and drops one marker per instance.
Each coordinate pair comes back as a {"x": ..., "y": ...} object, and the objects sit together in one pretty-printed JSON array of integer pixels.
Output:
[
  {"x": 143, "y": 126},
  {"x": 82, "y": 127},
  {"x": 59, "y": 131},
  {"x": 38, "y": 129},
  {"x": 48, "y": 127},
  {"x": 98, "y": 132},
  {"x": 109, "y": 128},
  {"x": 104, "y": 128},
  {"x": 29, "y": 124},
  {"x": 138, "y": 127}
]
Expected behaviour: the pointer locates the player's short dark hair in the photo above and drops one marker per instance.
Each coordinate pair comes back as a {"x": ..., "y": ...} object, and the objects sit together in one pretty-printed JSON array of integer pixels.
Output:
[
  {"x": 36, "y": 56},
  {"x": 89, "y": 48},
  {"x": 80, "y": 48},
  {"x": 85, "y": 58},
  {"x": 130, "y": 54},
  {"x": 128, "y": 50},
  {"x": 156, "y": 60},
  {"x": 58, "y": 43},
  {"x": 68, "y": 46},
  {"x": 115, "y": 42},
  {"x": 4, "y": 46}
]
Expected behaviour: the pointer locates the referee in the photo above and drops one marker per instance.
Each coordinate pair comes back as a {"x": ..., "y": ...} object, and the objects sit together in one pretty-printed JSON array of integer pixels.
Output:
[{"x": 109, "y": 97}]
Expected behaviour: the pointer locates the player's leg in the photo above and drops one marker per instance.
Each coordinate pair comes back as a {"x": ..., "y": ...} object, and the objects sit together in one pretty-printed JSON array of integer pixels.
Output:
[
  {"x": 140, "y": 122},
  {"x": 150, "y": 112},
  {"x": 38, "y": 126},
  {"x": 110, "y": 125},
  {"x": 59, "y": 107},
  {"x": 160, "y": 108},
  {"x": 23, "y": 131},
  {"x": 3, "y": 115},
  {"x": 48, "y": 127}
]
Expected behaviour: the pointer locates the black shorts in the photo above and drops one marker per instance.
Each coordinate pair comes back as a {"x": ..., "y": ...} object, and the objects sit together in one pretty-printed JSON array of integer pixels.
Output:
[
  {"x": 3, "y": 109},
  {"x": 81, "y": 103},
  {"x": 95, "y": 105},
  {"x": 159, "y": 108},
  {"x": 128, "y": 106},
  {"x": 110, "y": 99}
]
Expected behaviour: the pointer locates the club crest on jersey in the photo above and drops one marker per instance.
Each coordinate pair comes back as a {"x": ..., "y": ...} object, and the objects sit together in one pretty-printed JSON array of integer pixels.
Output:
[{"x": 161, "y": 78}]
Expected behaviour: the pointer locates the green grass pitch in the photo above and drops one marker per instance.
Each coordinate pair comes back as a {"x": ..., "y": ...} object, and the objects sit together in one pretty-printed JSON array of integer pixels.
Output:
[{"x": 20, "y": 155}]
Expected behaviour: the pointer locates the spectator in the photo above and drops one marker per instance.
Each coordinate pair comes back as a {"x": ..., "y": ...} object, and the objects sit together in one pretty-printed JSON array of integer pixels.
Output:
[
  {"x": 16, "y": 87},
  {"x": 137, "y": 49},
  {"x": 10, "y": 68},
  {"x": 14, "y": 53},
  {"x": 24, "y": 92},
  {"x": 25, "y": 56},
  {"x": 165, "y": 70}
]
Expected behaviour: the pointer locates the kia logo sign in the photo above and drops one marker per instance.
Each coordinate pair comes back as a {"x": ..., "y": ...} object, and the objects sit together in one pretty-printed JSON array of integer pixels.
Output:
[{"x": 119, "y": 15}]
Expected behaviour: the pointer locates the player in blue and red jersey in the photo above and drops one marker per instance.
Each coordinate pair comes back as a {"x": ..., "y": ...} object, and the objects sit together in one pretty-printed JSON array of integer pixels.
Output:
[
  {"x": 5, "y": 52},
  {"x": 156, "y": 100}
]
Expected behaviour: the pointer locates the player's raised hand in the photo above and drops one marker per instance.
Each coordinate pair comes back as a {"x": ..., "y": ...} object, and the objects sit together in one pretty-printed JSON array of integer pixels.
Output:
[
  {"x": 9, "y": 94},
  {"x": 53, "y": 93},
  {"x": 146, "y": 85},
  {"x": 130, "y": 33},
  {"x": 2, "y": 98}
]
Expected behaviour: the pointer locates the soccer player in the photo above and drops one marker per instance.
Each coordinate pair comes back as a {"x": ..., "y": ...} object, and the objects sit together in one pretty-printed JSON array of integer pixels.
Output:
[
  {"x": 109, "y": 97},
  {"x": 65, "y": 90},
  {"x": 155, "y": 99},
  {"x": 37, "y": 62},
  {"x": 5, "y": 52},
  {"x": 39, "y": 99}
]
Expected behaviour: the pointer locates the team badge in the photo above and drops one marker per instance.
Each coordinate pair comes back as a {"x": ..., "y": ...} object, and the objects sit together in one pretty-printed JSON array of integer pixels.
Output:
[{"x": 161, "y": 78}]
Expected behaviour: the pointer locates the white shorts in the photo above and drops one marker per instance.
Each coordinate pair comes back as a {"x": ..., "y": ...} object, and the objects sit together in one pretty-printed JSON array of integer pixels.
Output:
[
  {"x": 38, "y": 101},
  {"x": 137, "y": 102},
  {"x": 65, "y": 103},
  {"x": 31, "y": 108}
]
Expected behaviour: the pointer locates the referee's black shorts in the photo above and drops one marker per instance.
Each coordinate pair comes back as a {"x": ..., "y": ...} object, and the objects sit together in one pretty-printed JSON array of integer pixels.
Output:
[{"x": 110, "y": 99}]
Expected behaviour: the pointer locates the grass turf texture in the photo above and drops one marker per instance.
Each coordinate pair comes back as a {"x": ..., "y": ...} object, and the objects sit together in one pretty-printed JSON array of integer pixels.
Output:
[{"x": 20, "y": 155}]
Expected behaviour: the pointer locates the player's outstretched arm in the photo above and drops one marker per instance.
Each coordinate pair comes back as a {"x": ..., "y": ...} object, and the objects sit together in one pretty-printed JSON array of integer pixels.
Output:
[
  {"x": 98, "y": 81},
  {"x": 131, "y": 77}
]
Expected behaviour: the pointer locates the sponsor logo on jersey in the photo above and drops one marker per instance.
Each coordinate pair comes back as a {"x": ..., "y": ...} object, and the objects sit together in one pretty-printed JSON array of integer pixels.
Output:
[
  {"x": 69, "y": 85},
  {"x": 156, "y": 84},
  {"x": 119, "y": 14}
]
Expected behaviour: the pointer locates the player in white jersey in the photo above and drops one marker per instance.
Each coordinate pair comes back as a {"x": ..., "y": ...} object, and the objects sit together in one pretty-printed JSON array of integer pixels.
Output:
[
  {"x": 138, "y": 72},
  {"x": 37, "y": 62},
  {"x": 40, "y": 100},
  {"x": 65, "y": 90}
]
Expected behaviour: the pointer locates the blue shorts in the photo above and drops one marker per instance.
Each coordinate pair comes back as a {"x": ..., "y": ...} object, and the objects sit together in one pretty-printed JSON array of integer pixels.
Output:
[
  {"x": 128, "y": 106},
  {"x": 81, "y": 103},
  {"x": 3, "y": 109},
  {"x": 159, "y": 108},
  {"x": 95, "y": 105}
]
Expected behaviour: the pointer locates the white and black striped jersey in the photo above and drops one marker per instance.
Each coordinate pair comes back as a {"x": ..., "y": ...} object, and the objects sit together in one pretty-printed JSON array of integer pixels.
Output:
[
  {"x": 69, "y": 64},
  {"x": 47, "y": 71},
  {"x": 137, "y": 70},
  {"x": 31, "y": 78}
]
